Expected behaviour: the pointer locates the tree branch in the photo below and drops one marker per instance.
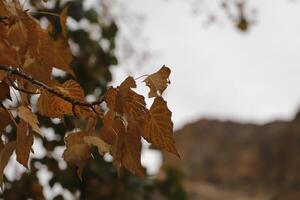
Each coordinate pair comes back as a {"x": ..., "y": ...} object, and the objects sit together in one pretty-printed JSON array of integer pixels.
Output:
[{"x": 73, "y": 101}]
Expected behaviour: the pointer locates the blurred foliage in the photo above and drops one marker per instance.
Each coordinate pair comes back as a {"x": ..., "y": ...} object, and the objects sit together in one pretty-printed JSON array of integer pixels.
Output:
[
  {"x": 238, "y": 12},
  {"x": 91, "y": 64}
]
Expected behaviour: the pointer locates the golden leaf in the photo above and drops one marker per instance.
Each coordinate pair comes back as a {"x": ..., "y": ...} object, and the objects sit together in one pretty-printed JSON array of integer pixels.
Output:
[
  {"x": 131, "y": 151},
  {"x": 78, "y": 155},
  {"x": 5, "y": 155},
  {"x": 53, "y": 106},
  {"x": 63, "y": 21},
  {"x": 102, "y": 146},
  {"x": 5, "y": 118},
  {"x": 77, "y": 152},
  {"x": 4, "y": 91},
  {"x": 134, "y": 107},
  {"x": 128, "y": 83},
  {"x": 3, "y": 74},
  {"x": 159, "y": 126},
  {"x": 23, "y": 143},
  {"x": 45, "y": 50},
  {"x": 125, "y": 101},
  {"x": 28, "y": 116},
  {"x": 9, "y": 55},
  {"x": 158, "y": 81}
]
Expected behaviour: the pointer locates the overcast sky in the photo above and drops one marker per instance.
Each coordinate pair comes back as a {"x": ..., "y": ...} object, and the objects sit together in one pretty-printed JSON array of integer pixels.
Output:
[{"x": 219, "y": 72}]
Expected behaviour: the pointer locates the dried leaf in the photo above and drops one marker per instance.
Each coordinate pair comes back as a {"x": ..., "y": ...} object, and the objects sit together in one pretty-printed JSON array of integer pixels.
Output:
[
  {"x": 158, "y": 81},
  {"x": 28, "y": 116},
  {"x": 2, "y": 75},
  {"x": 128, "y": 83},
  {"x": 5, "y": 118},
  {"x": 77, "y": 152},
  {"x": 23, "y": 143},
  {"x": 113, "y": 132},
  {"x": 53, "y": 106},
  {"x": 159, "y": 126},
  {"x": 4, "y": 91},
  {"x": 102, "y": 146},
  {"x": 131, "y": 151},
  {"x": 63, "y": 21},
  {"x": 39, "y": 42},
  {"x": 5, "y": 155}
]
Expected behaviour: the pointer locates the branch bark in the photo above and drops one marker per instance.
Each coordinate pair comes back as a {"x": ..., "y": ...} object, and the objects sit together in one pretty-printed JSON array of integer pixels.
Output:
[{"x": 73, "y": 101}]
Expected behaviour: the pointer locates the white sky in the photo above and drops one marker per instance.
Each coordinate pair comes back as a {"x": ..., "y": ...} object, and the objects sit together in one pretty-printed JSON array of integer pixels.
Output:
[{"x": 219, "y": 72}]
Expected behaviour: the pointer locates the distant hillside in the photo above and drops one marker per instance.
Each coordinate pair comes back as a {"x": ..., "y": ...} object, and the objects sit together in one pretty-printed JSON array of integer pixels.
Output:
[{"x": 260, "y": 161}]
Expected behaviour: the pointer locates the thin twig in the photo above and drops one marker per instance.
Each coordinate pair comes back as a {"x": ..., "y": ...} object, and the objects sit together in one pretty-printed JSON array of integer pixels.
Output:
[
  {"x": 21, "y": 89},
  {"x": 73, "y": 101},
  {"x": 141, "y": 76}
]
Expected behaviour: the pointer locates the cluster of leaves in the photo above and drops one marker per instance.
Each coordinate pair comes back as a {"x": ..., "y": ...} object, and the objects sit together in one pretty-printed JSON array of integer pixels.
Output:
[{"x": 28, "y": 54}]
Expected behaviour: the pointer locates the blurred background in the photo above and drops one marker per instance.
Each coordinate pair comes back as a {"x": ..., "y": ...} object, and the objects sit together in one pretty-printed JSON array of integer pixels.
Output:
[{"x": 234, "y": 97}]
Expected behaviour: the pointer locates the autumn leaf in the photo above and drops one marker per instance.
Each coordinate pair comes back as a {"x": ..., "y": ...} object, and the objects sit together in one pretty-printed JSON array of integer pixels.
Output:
[
  {"x": 3, "y": 74},
  {"x": 159, "y": 126},
  {"x": 158, "y": 81},
  {"x": 9, "y": 55},
  {"x": 5, "y": 155},
  {"x": 32, "y": 53},
  {"x": 134, "y": 107},
  {"x": 128, "y": 83},
  {"x": 77, "y": 152},
  {"x": 39, "y": 42},
  {"x": 131, "y": 151},
  {"x": 102, "y": 146},
  {"x": 125, "y": 101},
  {"x": 28, "y": 116},
  {"x": 4, "y": 91},
  {"x": 23, "y": 143},
  {"x": 63, "y": 21},
  {"x": 53, "y": 106},
  {"x": 5, "y": 118}
]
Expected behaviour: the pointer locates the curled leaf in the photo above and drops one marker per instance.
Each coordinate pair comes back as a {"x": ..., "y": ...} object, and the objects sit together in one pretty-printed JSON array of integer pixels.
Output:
[
  {"x": 102, "y": 146},
  {"x": 28, "y": 116},
  {"x": 158, "y": 81}
]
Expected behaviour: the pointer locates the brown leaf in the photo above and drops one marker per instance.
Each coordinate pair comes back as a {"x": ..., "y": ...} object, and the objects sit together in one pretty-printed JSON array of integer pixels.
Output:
[
  {"x": 128, "y": 83},
  {"x": 75, "y": 138},
  {"x": 5, "y": 155},
  {"x": 63, "y": 21},
  {"x": 125, "y": 101},
  {"x": 77, "y": 155},
  {"x": 125, "y": 146},
  {"x": 158, "y": 81},
  {"x": 45, "y": 50},
  {"x": 110, "y": 97},
  {"x": 134, "y": 107},
  {"x": 5, "y": 118},
  {"x": 159, "y": 126},
  {"x": 4, "y": 91},
  {"x": 131, "y": 151},
  {"x": 77, "y": 152},
  {"x": 28, "y": 116},
  {"x": 102, "y": 146},
  {"x": 2, "y": 75},
  {"x": 23, "y": 143},
  {"x": 53, "y": 106},
  {"x": 113, "y": 132},
  {"x": 9, "y": 55}
]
